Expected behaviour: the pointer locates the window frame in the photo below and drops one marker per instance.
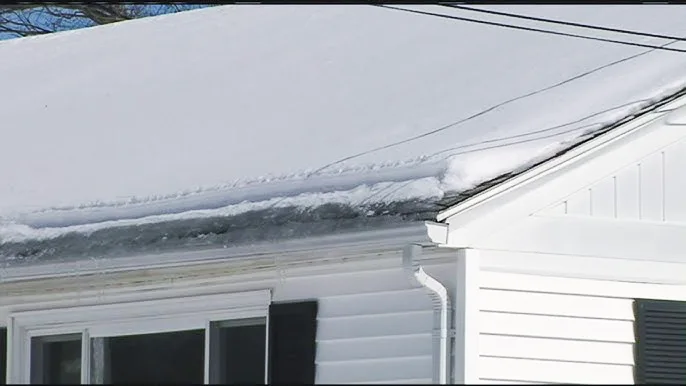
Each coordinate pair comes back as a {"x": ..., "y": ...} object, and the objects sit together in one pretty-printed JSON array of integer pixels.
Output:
[{"x": 129, "y": 318}]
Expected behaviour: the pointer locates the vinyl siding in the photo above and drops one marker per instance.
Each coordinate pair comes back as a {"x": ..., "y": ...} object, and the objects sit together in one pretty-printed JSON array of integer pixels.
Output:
[
  {"x": 651, "y": 189},
  {"x": 373, "y": 326},
  {"x": 544, "y": 335}
]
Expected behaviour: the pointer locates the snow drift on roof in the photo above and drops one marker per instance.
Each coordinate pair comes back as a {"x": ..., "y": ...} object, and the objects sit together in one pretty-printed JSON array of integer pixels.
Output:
[{"x": 229, "y": 109}]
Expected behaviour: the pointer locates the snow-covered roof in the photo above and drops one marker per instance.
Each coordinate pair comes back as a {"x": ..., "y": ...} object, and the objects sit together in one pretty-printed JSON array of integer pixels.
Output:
[{"x": 220, "y": 112}]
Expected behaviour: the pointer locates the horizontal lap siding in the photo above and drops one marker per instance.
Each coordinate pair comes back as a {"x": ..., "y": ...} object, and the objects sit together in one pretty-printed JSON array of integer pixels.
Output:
[
  {"x": 373, "y": 326},
  {"x": 549, "y": 337}
]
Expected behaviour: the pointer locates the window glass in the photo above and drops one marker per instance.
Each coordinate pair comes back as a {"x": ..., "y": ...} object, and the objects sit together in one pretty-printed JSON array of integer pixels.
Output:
[
  {"x": 237, "y": 352},
  {"x": 169, "y": 357},
  {"x": 56, "y": 359}
]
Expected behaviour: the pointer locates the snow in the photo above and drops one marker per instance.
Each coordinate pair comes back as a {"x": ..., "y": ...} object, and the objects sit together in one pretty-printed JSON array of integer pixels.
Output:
[{"x": 224, "y": 110}]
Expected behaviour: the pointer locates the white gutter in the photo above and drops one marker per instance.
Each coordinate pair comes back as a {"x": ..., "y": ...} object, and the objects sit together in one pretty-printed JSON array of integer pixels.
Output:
[
  {"x": 441, "y": 302},
  {"x": 293, "y": 251}
]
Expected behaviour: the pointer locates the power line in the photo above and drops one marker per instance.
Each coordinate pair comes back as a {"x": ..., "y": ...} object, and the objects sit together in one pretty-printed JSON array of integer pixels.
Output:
[
  {"x": 652, "y": 48},
  {"x": 562, "y": 22},
  {"x": 487, "y": 110},
  {"x": 509, "y": 137},
  {"x": 496, "y": 106},
  {"x": 599, "y": 127},
  {"x": 540, "y": 131},
  {"x": 531, "y": 29},
  {"x": 403, "y": 185}
]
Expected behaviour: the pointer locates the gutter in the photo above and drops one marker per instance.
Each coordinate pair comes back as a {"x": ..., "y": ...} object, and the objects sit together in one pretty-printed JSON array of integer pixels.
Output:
[
  {"x": 441, "y": 305},
  {"x": 293, "y": 251}
]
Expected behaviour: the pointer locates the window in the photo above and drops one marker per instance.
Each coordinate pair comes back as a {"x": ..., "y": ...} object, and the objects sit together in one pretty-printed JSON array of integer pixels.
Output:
[
  {"x": 660, "y": 328},
  {"x": 237, "y": 351},
  {"x": 56, "y": 359},
  {"x": 218, "y": 339},
  {"x": 169, "y": 357},
  {"x": 3, "y": 356}
]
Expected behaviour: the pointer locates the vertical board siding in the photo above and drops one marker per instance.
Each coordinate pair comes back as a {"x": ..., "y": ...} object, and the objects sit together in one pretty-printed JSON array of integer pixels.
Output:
[
  {"x": 580, "y": 203},
  {"x": 675, "y": 183},
  {"x": 373, "y": 326},
  {"x": 628, "y": 202},
  {"x": 549, "y": 337},
  {"x": 652, "y": 189},
  {"x": 603, "y": 199}
]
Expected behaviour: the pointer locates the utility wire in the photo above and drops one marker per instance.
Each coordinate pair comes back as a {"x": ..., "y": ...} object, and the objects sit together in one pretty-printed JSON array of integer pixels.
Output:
[
  {"x": 562, "y": 22},
  {"x": 531, "y": 29},
  {"x": 511, "y": 100},
  {"x": 497, "y": 146},
  {"x": 509, "y": 137},
  {"x": 494, "y": 107},
  {"x": 487, "y": 110},
  {"x": 540, "y": 131}
]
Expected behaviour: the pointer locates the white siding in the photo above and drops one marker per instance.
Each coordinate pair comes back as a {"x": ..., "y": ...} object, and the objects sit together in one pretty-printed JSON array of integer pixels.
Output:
[
  {"x": 373, "y": 326},
  {"x": 540, "y": 334},
  {"x": 651, "y": 189}
]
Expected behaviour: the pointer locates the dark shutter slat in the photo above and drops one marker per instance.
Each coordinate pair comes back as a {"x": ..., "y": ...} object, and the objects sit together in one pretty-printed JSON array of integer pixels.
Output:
[
  {"x": 666, "y": 336},
  {"x": 292, "y": 342},
  {"x": 660, "y": 328},
  {"x": 671, "y": 325},
  {"x": 664, "y": 306},
  {"x": 665, "y": 343},
  {"x": 668, "y": 363}
]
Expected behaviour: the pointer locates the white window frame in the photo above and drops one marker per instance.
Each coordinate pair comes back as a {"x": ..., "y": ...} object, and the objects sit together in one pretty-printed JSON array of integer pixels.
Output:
[{"x": 129, "y": 318}]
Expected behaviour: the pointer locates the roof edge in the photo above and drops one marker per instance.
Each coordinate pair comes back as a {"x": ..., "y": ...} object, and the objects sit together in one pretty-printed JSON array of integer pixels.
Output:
[
  {"x": 575, "y": 153},
  {"x": 345, "y": 244}
]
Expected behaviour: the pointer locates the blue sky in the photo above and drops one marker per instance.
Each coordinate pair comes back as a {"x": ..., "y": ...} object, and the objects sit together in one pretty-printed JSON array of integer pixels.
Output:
[{"x": 43, "y": 19}]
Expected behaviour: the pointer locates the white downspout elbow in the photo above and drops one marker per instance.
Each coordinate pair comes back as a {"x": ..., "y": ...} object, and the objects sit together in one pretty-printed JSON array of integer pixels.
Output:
[{"x": 441, "y": 302}]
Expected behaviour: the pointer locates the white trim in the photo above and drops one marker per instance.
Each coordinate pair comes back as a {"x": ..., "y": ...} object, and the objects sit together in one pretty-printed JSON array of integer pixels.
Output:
[
  {"x": 553, "y": 164},
  {"x": 208, "y": 355},
  {"x": 553, "y": 181},
  {"x": 266, "y": 350},
  {"x": 583, "y": 267},
  {"x": 216, "y": 307},
  {"x": 85, "y": 357},
  {"x": 13, "y": 353},
  {"x": 591, "y": 236},
  {"x": 584, "y": 287},
  {"x": 466, "y": 321},
  {"x": 127, "y": 318},
  {"x": 438, "y": 232},
  {"x": 228, "y": 276}
]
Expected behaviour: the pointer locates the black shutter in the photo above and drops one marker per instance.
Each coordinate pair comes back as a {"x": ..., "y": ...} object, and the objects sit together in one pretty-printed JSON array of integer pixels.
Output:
[
  {"x": 660, "y": 350},
  {"x": 292, "y": 344}
]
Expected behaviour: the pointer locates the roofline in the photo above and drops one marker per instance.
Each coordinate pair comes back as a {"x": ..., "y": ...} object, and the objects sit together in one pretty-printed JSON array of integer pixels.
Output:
[
  {"x": 628, "y": 125},
  {"x": 311, "y": 249}
]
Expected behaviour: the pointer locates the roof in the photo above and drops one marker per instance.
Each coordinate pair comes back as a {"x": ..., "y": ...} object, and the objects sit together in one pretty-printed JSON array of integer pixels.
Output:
[{"x": 232, "y": 115}]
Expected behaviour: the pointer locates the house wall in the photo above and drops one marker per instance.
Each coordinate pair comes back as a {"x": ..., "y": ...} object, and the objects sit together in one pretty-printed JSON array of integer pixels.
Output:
[
  {"x": 373, "y": 325},
  {"x": 557, "y": 285},
  {"x": 565, "y": 248},
  {"x": 649, "y": 189},
  {"x": 552, "y": 329}
]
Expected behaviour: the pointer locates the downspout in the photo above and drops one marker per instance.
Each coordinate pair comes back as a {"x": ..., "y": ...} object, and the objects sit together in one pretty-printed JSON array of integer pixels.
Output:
[{"x": 441, "y": 305}]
